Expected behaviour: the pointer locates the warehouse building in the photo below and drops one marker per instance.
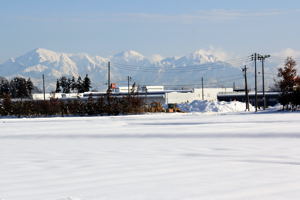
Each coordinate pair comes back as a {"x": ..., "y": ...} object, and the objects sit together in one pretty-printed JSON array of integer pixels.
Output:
[
  {"x": 159, "y": 94},
  {"x": 272, "y": 98},
  {"x": 148, "y": 93}
]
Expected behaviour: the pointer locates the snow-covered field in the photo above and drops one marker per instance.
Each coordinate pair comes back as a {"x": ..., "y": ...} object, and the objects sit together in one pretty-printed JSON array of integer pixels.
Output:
[{"x": 153, "y": 157}]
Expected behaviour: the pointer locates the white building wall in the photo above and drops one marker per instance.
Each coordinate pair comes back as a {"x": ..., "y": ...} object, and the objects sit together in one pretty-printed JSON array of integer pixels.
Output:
[
  {"x": 125, "y": 89},
  {"x": 210, "y": 94},
  {"x": 152, "y": 88},
  {"x": 40, "y": 96},
  {"x": 177, "y": 97}
]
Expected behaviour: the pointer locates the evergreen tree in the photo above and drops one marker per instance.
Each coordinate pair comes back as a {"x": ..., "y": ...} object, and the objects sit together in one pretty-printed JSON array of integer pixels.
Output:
[
  {"x": 65, "y": 84},
  {"x": 57, "y": 90},
  {"x": 4, "y": 87},
  {"x": 79, "y": 85},
  {"x": 86, "y": 83},
  {"x": 18, "y": 87},
  {"x": 69, "y": 82},
  {"x": 73, "y": 84},
  {"x": 29, "y": 87},
  {"x": 7, "y": 105}
]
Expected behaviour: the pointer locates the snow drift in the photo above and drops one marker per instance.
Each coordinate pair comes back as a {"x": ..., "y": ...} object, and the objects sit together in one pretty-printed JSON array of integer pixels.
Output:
[{"x": 213, "y": 106}]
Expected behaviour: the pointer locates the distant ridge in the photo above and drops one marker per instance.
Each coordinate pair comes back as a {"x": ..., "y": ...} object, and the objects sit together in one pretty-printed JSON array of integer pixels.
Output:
[{"x": 168, "y": 71}]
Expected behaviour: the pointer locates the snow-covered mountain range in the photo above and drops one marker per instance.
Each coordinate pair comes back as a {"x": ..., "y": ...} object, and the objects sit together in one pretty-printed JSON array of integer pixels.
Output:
[{"x": 171, "y": 71}]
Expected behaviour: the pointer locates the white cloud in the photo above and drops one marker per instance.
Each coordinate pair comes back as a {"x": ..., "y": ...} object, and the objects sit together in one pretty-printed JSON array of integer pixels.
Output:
[
  {"x": 219, "y": 53},
  {"x": 279, "y": 58},
  {"x": 208, "y": 15},
  {"x": 288, "y": 52}
]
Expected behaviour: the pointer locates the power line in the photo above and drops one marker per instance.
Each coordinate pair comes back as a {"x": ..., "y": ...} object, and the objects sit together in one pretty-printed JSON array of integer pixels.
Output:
[
  {"x": 186, "y": 69},
  {"x": 172, "y": 70},
  {"x": 195, "y": 65},
  {"x": 161, "y": 67},
  {"x": 199, "y": 84}
]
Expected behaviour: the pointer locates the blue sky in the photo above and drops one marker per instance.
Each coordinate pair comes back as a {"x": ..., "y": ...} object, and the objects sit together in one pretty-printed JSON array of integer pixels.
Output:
[{"x": 165, "y": 27}]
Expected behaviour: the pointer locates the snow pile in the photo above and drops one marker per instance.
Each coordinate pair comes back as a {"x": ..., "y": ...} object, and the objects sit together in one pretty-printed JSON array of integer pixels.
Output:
[
  {"x": 213, "y": 106},
  {"x": 276, "y": 107}
]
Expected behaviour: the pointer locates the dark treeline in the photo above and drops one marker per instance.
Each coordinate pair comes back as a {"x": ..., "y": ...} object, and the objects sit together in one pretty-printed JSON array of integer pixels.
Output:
[
  {"x": 56, "y": 107},
  {"x": 17, "y": 87},
  {"x": 289, "y": 85},
  {"x": 67, "y": 85}
]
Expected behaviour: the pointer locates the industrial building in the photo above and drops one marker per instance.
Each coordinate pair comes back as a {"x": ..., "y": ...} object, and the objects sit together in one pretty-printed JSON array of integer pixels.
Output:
[
  {"x": 148, "y": 93},
  {"x": 272, "y": 98},
  {"x": 159, "y": 94},
  {"x": 40, "y": 96}
]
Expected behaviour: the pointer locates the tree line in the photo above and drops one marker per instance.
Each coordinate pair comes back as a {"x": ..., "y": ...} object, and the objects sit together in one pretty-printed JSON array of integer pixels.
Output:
[
  {"x": 289, "y": 85},
  {"x": 59, "y": 107},
  {"x": 68, "y": 85},
  {"x": 17, "y": 87}
]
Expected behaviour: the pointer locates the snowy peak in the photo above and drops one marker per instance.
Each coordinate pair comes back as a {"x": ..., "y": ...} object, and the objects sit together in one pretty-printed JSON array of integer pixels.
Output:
[
  {"x": 129, "y": 56},
  {"x": 198, "y": 57},
  {"x": 201, "y": 56},
  {"x": 47, "y": 54},
  {"x": 156, "y": 58},
  {"x": 39, "y": 55}
]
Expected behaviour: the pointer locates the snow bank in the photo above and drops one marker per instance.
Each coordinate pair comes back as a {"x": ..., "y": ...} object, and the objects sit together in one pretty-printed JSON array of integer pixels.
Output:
[{"x": 213, "y": 106}]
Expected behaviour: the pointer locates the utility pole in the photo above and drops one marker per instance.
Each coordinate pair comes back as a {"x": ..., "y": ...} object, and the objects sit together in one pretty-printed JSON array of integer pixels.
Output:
[
  {"x": 262, "y": 59},
  {"x": 108, "y": 92},
  {"x": 108, "y": 76},
  {"x": 254, "y": 58},
  {"x": 146, "y": 90},
  {"x": 246, "y": 87},
  {"x": 44, "y": 87},
  {"x": 202, "y": 88},
  {"x": 128, "y": 80}
]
